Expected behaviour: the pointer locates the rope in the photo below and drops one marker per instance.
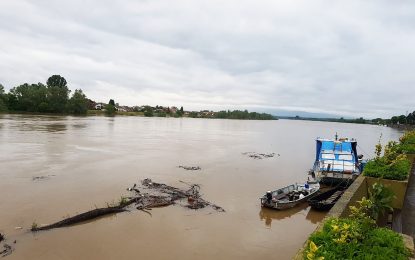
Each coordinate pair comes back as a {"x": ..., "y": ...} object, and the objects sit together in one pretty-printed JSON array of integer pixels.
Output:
[{"x": 368, "y": 156}]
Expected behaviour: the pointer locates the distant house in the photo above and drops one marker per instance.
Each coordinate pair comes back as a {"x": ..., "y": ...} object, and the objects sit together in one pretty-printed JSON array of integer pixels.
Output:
[
  {"x": 99, "y": 106},
  {"x": 173, "y": 110},
  {"x": 91, "y": 104},
  {"x": 121, "y": 109}
]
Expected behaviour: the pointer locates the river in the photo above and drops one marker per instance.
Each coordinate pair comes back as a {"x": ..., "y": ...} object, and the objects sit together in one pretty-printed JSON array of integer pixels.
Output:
[{"x": 55, "y": 166}]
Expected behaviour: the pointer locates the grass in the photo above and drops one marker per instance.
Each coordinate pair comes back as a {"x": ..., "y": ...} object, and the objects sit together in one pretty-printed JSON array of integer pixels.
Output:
[
  {"x": 34, "y": 226},
  {"x": 123, "y": 201}
]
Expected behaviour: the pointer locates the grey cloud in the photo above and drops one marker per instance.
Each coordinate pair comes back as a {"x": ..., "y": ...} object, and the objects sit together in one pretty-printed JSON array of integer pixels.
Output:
[{"x": 353, "y": 58}]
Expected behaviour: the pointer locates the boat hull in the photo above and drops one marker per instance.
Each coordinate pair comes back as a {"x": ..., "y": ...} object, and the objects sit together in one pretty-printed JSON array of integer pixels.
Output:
[
  {"x": 336, "y": 181},
  {"x": 284, "y": 203},
  {"x": 326, "y": 200}
]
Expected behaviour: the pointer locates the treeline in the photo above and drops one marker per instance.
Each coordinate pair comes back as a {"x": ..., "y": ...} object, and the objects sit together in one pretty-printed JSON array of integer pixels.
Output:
[
  {"x": 160, "y": 111},
  {"x": 359, "y": 120},
  {"x": 50, "y": 98},
  {"x": 397, "y": 120},
  {"x": 238, "y": 114}
]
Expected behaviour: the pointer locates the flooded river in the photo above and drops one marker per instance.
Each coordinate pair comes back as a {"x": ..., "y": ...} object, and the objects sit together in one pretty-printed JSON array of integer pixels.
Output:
[{"x": 55, "y": 166}]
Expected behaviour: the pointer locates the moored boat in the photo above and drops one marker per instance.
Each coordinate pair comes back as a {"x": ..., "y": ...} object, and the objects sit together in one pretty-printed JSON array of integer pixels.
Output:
[
  {"x": 289, "y": 196},
  {"x": 336, "y": 161},
  {"x": 326, "y": 200}
]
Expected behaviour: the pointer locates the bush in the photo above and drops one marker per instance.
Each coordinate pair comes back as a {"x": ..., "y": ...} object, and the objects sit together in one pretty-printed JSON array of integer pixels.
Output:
[
  {"x": 355, "y": 237},
  {"x": 392, "y": 165},
  {"x": 397, "y": 170},
  {"x": 148, "y": 113},
  {"x": 407, "y": 143},
  {"x": 110, "y": 110}
]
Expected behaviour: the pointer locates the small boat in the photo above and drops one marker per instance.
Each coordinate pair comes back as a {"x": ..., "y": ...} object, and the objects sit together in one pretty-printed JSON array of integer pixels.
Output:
[
  {"x": 290, "y": 196},
  {"x": 326, "y": 200}
]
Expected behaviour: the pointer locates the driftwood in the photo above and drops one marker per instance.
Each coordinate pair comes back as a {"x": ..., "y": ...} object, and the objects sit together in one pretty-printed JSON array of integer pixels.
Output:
[
  {"x": 163, "y": 195},
  {"x": 190, "y": 168},
  {"x": 259, "y": 155},
  {"x": 92, "y": 214}
]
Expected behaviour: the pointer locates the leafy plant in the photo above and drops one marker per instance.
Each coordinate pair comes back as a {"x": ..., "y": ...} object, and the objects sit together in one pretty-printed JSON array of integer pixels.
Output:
[
  {"x": 123, "y": 201},
  {"x": 34, "y": 226},
  {"x": 381, "y": 198},
  {"x": 356, "y": 237},
  {"x": 407, "y": 142},
  {"x": 392, "y": 165}
]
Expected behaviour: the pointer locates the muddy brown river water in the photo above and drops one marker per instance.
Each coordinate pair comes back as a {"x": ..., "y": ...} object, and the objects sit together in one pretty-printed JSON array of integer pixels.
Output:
[{"x": 55, "y": 166}]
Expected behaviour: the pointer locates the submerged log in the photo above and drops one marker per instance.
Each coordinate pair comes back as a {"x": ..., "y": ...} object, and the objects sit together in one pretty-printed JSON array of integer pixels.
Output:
[
  {"x": 190, "y": 168},
  {"x": 92, "y": 214},
  {"x": 89, "y": 215}
]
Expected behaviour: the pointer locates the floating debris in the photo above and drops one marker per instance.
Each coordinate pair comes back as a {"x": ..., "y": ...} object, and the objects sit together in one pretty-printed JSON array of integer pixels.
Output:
[
  {"x": 7, "y": 249},
  {"x": 43, "y": 177},
  {"x": 161, "y": 195},
  {"x": 190, "y": 168},
  {"x": 259, "y": 155}
]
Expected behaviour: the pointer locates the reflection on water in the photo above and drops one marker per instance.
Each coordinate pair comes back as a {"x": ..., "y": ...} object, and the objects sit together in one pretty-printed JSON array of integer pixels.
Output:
[
  {"x": 55, "y": 127},
  {"x": 315, "y": 216},
  {"x": 80, "y": 125},
  {"x": 272, "y": 214}
]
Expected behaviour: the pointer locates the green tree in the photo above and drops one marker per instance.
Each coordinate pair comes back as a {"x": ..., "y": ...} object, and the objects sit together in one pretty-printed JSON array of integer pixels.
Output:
[
  {"x": 78, "y": 103},
  {"x": 3, "y": 99},
  {"x": 402, "y": 119},
  {"x": 148, "y": 111},
  {"x": 110, "y": 108},
  {"x": 193, "y": 114},
  {"x": 410, "y": 118},
  {"x": 58, "y": 94},
  {"x": 31, "y": 98},
  {"x": 11, "y": 101},
  {"x": 57, "y": 81}
]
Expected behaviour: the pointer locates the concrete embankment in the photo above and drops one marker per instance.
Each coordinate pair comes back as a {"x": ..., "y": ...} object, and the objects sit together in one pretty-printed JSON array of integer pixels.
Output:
[{"x": 408, "y": 211}]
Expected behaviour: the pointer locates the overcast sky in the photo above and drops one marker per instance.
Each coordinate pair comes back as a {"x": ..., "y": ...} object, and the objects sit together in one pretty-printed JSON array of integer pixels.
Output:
[{"x": 352, "y": 58}]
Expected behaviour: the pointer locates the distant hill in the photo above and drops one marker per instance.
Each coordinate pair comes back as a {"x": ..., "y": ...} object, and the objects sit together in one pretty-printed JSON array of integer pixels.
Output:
[{"x": 303, "y": 114}]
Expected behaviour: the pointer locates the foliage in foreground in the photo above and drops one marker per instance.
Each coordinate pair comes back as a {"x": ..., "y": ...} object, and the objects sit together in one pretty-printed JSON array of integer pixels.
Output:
[
  {"x": 355, "y": 237},
  {"x": 393, "y": 165}
]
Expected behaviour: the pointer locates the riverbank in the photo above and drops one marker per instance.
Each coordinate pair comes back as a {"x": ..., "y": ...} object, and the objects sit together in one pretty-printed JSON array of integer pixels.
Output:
[{"x": 134, "y": 113}]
